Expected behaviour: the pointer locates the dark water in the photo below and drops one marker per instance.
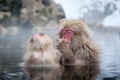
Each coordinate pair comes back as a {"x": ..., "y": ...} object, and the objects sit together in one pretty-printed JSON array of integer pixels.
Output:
[{"x": 12, "y": 49}]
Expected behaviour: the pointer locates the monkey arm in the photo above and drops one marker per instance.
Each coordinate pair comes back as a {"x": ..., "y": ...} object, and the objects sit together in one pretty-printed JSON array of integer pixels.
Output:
[
  {"x": 67, "y": 57},
  {"x": 87, "y": 53}
]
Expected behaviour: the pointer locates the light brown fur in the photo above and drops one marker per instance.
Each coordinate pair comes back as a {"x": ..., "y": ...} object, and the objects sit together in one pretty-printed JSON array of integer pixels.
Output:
[
  {"x": 41, "y": 52},
  {"x": 82, "y": 48}
]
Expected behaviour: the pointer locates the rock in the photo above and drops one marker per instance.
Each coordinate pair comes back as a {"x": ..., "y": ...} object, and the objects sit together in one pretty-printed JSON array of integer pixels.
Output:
[
  {"x": 44, "y": 18},
  {"x": 32, "y": 13},
  {"x": 46, "y": 2},
  {"x": 40, "y": 12},
  {"x": 57, "y": 13},
  {"x": 2, "y": 14},
  {"x": 24, "y": 16},
  {"x": 39, "y": 20},
  {"x": 6, "y": 13},
  {"x": 24, "y": 11}
]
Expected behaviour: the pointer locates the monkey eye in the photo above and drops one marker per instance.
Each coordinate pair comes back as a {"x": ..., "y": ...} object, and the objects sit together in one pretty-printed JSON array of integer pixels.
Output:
[
  {"x": 70, "y": 32},
  {"x": 63, "y": 32},
  {"x": 67, "y": 32}
]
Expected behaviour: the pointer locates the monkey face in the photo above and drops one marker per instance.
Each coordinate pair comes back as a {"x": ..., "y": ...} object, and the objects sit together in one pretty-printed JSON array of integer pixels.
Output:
[
  {"x": 40, "y": 41},
  {"x": 67, "y": 34}
]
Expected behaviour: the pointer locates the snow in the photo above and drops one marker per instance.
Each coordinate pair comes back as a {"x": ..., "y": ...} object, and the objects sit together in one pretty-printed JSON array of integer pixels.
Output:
[
  {"x": 76, "y": 9},
  {"x": 112, "y": 20},
  {"x": 72, "y": 7}
]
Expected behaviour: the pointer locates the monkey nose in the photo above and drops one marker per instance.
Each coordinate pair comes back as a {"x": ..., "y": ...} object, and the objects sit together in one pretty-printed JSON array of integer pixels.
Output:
[{"x": 35, "y": 37}]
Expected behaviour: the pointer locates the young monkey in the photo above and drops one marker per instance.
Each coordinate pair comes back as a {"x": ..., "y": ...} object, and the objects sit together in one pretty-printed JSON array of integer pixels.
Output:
[{"x": 40, "y": 51}]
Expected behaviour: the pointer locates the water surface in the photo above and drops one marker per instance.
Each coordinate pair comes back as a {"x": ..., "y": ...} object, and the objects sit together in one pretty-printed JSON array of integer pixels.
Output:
[{"x": 12, "y": 49}]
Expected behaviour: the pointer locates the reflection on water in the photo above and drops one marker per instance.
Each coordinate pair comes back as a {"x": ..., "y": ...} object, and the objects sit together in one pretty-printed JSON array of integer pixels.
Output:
[
  {"x": 88, "y": 72},
  {"x": 44, "y": 73}
]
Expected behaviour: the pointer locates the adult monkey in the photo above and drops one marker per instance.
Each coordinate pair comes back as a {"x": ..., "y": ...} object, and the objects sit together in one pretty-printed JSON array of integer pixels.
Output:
[{"x": 76, "y": 45}]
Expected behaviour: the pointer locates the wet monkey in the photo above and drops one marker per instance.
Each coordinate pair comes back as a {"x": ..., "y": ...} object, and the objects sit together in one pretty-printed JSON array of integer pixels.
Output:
[
  {"x": 76, "y": 44},
  {"x": 40, "y": 51}
]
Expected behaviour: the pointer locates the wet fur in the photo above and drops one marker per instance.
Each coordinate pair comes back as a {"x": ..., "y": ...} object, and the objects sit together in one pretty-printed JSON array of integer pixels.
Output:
[
  {"x": 82, "y": 50},
  {"x": 42, "y": 53}
]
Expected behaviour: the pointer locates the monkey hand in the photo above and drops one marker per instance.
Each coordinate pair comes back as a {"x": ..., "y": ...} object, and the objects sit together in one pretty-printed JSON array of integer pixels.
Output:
[
  {"x": 63, "y": 46},
  {"x": 66, "y": 53}
]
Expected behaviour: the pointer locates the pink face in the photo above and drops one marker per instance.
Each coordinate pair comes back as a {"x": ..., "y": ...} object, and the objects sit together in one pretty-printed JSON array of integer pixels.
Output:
[{"x": 67, "y": 34}]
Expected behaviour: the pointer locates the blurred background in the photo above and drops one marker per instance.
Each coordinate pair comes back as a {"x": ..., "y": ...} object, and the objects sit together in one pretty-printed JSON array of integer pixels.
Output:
[{"x": 19, "y": 19}]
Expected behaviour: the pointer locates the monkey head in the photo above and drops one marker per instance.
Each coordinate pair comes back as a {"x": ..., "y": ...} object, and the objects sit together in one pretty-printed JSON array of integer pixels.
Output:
[
  {"x": 72, "y": 28},
  {"x": 40, "y": 41},
  {"x": 66, "y": 34}
]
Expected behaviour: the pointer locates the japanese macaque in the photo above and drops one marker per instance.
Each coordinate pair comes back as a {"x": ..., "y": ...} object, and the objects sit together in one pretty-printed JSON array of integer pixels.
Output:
[
  {"x": 40, "y": 51},
  {"x": 76, "y": 45}
]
